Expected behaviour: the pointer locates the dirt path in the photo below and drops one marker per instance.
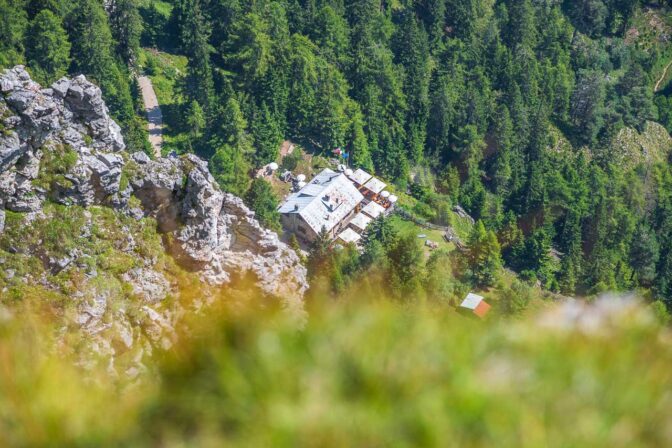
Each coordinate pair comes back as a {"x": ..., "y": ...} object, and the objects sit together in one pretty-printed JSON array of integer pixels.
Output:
[
  {"x": 662, "y": 78},
  {"x": 154, "y": 116}
]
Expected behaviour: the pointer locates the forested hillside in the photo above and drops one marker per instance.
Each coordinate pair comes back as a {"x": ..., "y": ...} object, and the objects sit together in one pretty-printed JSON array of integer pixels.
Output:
[{"x": 541, "y": 118}]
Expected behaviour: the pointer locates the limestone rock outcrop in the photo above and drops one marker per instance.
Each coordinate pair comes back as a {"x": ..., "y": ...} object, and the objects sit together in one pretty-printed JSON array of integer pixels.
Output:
[
  {"x": 60, "y": 145},
  {"x": 58, "y": 142},
  {"x": 215, "y": 233}
]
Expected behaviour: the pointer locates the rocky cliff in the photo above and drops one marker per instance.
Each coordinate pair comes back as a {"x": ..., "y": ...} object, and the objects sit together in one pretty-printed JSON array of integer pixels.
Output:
[{"x": 69, "y": 192}]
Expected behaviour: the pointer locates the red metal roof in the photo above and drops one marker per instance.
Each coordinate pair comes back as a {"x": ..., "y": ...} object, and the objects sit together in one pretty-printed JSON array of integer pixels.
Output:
[{"x": 482, "y": 309}]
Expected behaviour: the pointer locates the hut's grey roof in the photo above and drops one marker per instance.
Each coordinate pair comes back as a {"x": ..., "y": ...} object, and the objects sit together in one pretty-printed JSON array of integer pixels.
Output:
[{"x": 325, "y": 201}]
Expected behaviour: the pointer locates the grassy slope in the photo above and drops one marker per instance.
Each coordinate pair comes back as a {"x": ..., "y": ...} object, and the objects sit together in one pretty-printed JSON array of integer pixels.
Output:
[
  {"x": 359, "y": 374},
  {"x": 436, "y": 236},
  {"x": 110, "y": 244}
]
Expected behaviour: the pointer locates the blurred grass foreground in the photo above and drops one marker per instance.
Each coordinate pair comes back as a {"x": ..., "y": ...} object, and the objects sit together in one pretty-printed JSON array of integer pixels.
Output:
[{"x": 366, "y": 375}]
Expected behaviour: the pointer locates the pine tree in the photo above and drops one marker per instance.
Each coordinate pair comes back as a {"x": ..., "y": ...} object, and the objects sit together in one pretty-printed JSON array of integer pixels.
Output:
[
  {"x": 406, "y": 267},
  {"x": 502, "y": 172},
  {"x": 249, "y": 49},
  {"x": 587, "y": 106},
  {"x": 230, "y": 169},
  {"x": 571, "y": 263},
  {"x": 521, "y": 29},
  {"x": 484, "y": 255},
  {"x": 433, "y": 13},
  {"x": 412, "y": 50},
  {"x": 644, "y": 255},
  {"x": 331, "y": 33},
  {"x": 446, "y": 94},
  {"x": 230, "y": 165},
  {"x": 13, "y": 24},
  {"x": 261, "y": 199},
  {"x": 47, "y": 47},
  {"x": 126, "y": 27},
  {"x": 359, "y": 154},
  {"x": 195, "y": 121},
  {"x": 195, "y": 32},
  {"x": 267, "y": 135},
  {"x": 589, "y": 16}
]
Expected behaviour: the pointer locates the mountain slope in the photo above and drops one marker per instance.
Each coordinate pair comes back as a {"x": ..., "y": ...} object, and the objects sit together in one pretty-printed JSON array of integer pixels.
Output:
[{"x": 79, "y": 221}]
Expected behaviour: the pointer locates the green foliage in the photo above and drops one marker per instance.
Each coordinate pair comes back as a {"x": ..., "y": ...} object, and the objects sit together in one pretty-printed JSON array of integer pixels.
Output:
[
  {"x": 92, "y": 53},
  {"x": 229, "y": 164},
  {"x": 406, "y": 266},
  {"x": 267, "y": 136},
  {"x": 441, "y": 283},
  {"x": 644, "y": 255},
  {"x": 660, "y": 312},
  {"x": 195, "y": 32},
  {"x": 126, "y": 26},
  {"x": 13, "y": 24},
  {"x": 291, "y": 161},
  {"x": 262, "y": 201},
  {"x": 55, "y": 164},
  {"x": 195, "y": 120},
  {"x": 496, "y": 99},
  {"x": 230, "y": 169},
  {"x": 237, "y": 378},
  {"x": 47, "y": 47},
  {"x": 521, "y": 112},
  {"x": 32, "y": 247},
  {"x": 515, "y": 299},
  {"x": 484, "y": 255}
]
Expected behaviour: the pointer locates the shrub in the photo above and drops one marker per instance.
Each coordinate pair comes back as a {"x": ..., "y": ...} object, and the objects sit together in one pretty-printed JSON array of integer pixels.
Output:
[{"x": 291, "y": 161}]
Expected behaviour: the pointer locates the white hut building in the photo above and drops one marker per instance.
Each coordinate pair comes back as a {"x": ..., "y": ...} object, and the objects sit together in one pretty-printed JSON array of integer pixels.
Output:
[{"x": 327, "y": 202}]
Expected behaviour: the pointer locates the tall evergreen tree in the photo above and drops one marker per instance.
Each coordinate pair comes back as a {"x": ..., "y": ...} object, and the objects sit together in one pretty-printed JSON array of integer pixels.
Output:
[
  {"x": 126, "y": 27},
  {"x": 484, "y": 255},
  {"x": 195, "y": 32},
  {"x": 412, "y": 49},
  {"x": 229, "y": 164},
  {"x": 644, "y": 255},
  {"x": 261, "y": 199},
  {"x": 47, "y": 47},
  {"x": 13, "y": 24},
  {"x": 267, "y": 135}
]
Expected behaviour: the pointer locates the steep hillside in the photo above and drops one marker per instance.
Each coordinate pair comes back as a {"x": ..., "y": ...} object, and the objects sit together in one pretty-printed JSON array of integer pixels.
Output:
[{"x": 86, "y": 228}]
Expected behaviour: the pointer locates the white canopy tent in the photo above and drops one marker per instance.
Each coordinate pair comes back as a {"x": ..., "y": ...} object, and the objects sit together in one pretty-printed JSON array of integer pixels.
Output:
[
  {"x": 375, "y": 185},
  {"x": 360, "y": 177},
  {"x": 349, "y": 236},
  {"x": 360, "y": 222},
  {"x": 373, "y": 210}
]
